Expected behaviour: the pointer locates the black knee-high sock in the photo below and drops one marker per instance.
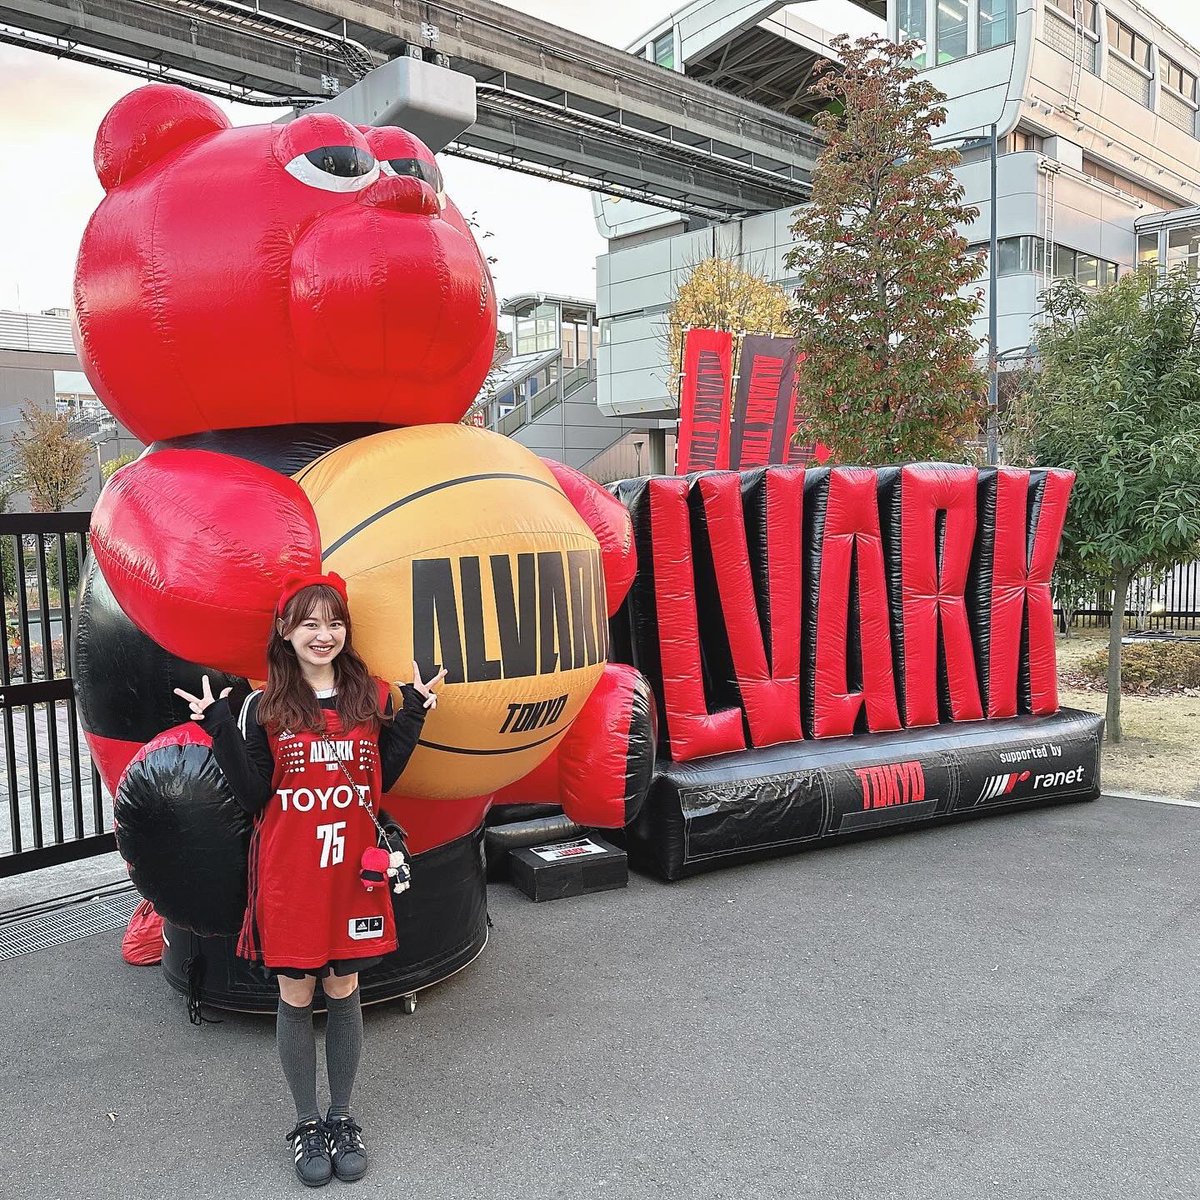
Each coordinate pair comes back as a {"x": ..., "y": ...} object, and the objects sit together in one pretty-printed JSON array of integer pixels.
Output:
[
  {"x": 343, "y": 1048},
  {"x": 298, "y": 1056}
]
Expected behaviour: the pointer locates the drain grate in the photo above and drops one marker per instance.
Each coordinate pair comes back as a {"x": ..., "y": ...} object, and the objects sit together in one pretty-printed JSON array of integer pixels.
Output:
[{"x": 53, "y": 927}]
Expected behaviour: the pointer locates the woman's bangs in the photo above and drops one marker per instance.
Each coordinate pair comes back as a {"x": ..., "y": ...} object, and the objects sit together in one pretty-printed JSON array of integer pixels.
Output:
[{"x": 318, "y": 601}]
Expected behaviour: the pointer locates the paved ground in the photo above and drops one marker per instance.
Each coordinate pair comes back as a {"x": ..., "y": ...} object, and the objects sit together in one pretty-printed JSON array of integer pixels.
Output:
[{"x": 998, "y": 1009}]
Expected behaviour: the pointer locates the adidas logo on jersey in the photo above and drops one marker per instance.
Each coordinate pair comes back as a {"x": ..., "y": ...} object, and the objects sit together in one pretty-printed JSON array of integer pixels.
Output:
[{"x": 363, "y": 928}]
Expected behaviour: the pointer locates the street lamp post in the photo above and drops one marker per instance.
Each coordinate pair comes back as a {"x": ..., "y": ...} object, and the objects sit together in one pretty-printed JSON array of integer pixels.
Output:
[{"x": 993, "y": 399}]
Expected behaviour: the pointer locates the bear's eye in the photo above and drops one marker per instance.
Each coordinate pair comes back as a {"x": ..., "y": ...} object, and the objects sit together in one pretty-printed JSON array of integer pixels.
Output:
[
  {"x": 341, "y": 160},
  {"x": 335, "y": 168},
  {"x": 419, "y": 168}
]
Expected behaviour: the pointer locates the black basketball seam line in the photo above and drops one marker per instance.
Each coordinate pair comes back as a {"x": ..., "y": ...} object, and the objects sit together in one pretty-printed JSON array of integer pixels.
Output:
[
  {"x": 505, "y": 750},
  {"x": 433, "y": 487},
  {"x": 308, "y": 467}
]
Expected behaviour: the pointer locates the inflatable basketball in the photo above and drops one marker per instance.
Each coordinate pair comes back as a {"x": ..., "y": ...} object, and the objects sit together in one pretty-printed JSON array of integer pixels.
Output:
[{"x": 460, "y": 550}]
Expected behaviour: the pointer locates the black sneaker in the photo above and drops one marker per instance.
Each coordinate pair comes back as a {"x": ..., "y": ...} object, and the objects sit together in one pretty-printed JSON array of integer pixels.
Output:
[
  {"x": 313, "y": 1167},
  {"x": 346, "y": 1148}
]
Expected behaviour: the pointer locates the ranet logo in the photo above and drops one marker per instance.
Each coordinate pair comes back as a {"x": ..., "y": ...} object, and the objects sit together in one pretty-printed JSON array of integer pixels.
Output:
[
  {"x": 891, "y": 784},
  {"x": 1001, "y": 785},
  {"x": 1059, "y": 778}
]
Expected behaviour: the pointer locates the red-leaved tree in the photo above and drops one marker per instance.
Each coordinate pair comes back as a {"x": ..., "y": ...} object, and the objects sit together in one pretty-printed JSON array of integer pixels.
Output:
[{"x": 885, "y": 299}]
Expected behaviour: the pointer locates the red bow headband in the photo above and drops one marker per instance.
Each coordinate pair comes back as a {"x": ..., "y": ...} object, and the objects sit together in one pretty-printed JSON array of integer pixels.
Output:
[{"x": 293, "y": 584}]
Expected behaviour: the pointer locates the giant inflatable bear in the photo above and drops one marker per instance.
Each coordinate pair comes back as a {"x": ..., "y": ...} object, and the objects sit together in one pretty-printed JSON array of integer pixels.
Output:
[{"x": 295, "y": 316}]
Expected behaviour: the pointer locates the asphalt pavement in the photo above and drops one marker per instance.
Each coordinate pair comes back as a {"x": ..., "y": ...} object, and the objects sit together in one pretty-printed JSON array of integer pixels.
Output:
[{"x": 1002, "y": 1008}]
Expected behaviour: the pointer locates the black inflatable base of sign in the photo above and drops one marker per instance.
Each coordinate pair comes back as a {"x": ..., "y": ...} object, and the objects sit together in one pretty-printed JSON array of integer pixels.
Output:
[
  {"x": 500, "y": 840},
  {"x": 754, "y": 804},
  {"x": 543, "y": 880},
  {"x": 441, "y": 925}
]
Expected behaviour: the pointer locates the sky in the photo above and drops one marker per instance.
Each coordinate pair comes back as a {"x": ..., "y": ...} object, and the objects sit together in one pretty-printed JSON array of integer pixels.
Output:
[{"x": 543, "y": 234}]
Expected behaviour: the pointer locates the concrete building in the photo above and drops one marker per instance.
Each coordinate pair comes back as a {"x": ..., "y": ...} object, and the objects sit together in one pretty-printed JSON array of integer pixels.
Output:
[
  {"x": 1095, "y": 110},
  {"x": 38, "y": 366}
]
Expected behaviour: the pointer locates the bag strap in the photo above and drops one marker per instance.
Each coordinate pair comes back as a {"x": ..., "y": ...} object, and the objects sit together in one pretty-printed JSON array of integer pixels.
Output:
[{"x": 356, "y": 788}]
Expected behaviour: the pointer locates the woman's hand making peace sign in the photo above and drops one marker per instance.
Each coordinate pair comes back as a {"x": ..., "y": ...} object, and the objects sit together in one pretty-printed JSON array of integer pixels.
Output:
[
  {"x": 426, "y": 689},
  {"x": 201, "y": 702}
]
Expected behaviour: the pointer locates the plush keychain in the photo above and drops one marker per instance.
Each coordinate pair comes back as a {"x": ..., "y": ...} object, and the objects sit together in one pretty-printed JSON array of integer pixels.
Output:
[{"x": 378, "y": 866}]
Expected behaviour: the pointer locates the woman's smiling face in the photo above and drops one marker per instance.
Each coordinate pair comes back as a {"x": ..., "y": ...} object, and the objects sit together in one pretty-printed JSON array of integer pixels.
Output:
[{"x": 319, "y": 638}]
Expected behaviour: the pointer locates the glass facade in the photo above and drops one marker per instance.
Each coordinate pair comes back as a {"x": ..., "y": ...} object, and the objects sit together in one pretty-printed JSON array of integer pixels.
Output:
[
  {"x": 1147, "y": 249},
  {"x": 1183, "y": 250},
  {"x": 997, "y": 19},
  {"x": 537, "y": 329},
  {"x": 557, "y": 325},
  {"x": 1086, "y": 269},
  {"x": 912, "y": 25},
  {"x": 1019, "y": 255},
  {"x": 951, "y": 30},
  {"x": 1124, "y": 41},
  {"x": 1024, "y": 256},
  {"x": 664, "y": 49}
]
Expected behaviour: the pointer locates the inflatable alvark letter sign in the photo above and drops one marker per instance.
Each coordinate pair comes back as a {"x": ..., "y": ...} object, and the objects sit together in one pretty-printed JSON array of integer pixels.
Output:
[{"x": 728, "y": 665}]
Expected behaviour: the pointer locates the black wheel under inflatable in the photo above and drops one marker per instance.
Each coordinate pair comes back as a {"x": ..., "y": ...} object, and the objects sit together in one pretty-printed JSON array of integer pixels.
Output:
[{"x": 441, "y": 924}]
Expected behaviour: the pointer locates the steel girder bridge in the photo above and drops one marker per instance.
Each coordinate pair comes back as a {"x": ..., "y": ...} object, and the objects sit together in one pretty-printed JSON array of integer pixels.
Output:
[{"x": 549, "y": 102}]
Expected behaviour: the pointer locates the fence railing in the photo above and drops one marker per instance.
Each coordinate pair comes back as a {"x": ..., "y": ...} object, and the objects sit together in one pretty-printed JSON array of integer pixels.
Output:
[
  {"x": 57, "y": 808},
  {"x": 1157, "y": 602}
]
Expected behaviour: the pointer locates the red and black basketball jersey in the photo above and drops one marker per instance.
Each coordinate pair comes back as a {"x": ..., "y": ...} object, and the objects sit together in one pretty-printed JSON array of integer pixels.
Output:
[{"x": 306, "y": 904}]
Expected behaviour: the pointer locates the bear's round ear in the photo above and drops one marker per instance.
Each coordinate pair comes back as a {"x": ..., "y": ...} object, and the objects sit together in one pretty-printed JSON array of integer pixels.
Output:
[{"x": 148, "y": 124}]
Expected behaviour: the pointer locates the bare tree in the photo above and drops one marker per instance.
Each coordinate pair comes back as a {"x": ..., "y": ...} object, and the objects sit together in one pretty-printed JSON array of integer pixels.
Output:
[{"x": 51, "y": 463}]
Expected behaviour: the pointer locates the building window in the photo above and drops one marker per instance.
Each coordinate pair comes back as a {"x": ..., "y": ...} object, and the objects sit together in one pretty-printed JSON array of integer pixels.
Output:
[
  {"x": 1086, "y": 269},
  {"x": 1178, "y": 80},
  {"x": 664, "y": 49},
  {"x": 1067, "y": 7},
  {"x": 1015, "y": 255},
  {"x": 1124, "y": 41},
  {"x": 911, "y": 19},
  {"x": 1177, "y": 101},
  {"x": 1024, "y": 140},
  {"x": 1147, "y": 249},
  {"x": 996, "y": 21},
  {"x": 951, "y": 30},
  {"x": 1019, "y": 255},
  {"x": 1183, "y": 250},
  {"x": 537, "y": 329}
]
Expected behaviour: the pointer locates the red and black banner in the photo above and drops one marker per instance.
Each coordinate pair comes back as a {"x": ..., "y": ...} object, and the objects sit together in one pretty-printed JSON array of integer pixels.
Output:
[
  {"x": 704, "y": 401},
  {"x": 764, "y": 405}
]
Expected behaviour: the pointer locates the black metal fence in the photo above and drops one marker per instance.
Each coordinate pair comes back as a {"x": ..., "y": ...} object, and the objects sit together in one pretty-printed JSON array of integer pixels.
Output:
[
  {"x": 57, "y": 808},
  {"x": 1159, "y": 602}
]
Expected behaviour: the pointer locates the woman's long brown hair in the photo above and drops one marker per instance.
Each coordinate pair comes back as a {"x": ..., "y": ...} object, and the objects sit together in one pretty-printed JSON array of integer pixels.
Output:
[{"x": 288, "y": 700}]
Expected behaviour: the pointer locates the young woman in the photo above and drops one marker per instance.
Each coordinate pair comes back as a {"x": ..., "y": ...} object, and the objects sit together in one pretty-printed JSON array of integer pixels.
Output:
[{"x": 309, "y": 758}]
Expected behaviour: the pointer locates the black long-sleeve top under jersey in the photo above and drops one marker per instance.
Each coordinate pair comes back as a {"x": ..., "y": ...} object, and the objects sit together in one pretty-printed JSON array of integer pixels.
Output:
[{"x": 244, "y": 754}]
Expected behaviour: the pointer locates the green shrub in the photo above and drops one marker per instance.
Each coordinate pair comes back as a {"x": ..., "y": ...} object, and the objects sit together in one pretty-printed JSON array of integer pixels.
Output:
[
  {"x": 1167, "y": 665},
  {"x": 8, "y": 565},
  {"x": 113, "y": 465},
  {"x": 50, "y": 542}
]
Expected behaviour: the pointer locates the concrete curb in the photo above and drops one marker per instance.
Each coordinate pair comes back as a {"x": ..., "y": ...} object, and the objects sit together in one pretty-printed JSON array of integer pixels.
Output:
[{"x": 1148, "y": 798}]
